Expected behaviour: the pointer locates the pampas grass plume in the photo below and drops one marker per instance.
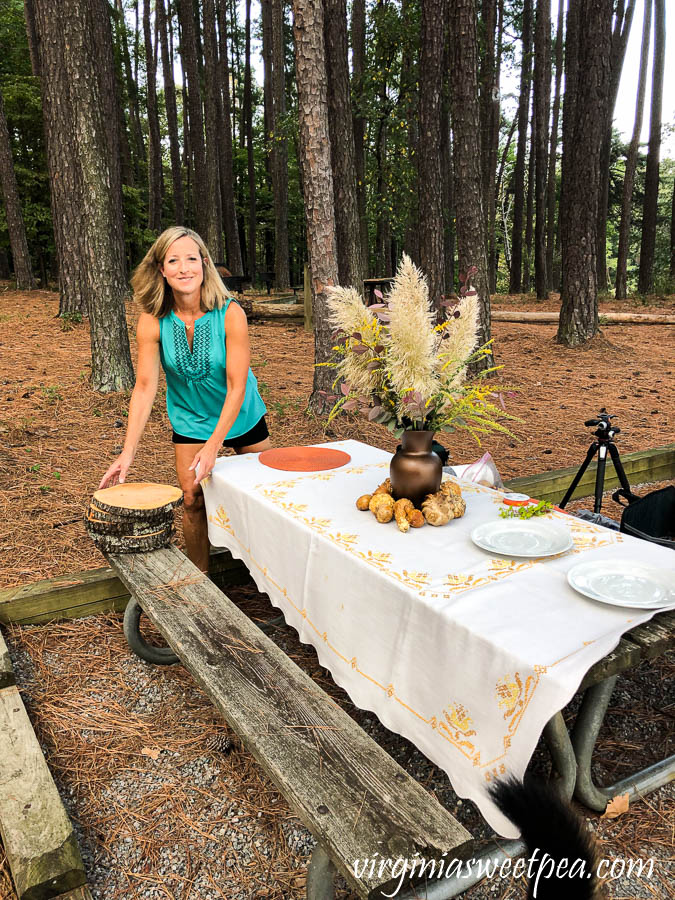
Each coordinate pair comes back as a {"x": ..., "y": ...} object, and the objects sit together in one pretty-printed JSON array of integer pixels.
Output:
[{"x": 411, "y": 340}]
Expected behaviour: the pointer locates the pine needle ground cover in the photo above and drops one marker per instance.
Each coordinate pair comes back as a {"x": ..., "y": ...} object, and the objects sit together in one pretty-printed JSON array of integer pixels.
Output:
[{"x": 160, "y": 809}]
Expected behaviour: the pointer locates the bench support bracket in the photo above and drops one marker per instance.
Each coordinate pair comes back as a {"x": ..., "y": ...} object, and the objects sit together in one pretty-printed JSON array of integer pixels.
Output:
[
  {"x": 584, "y": 735},
  {"x": 572, "y": 754},
  {"x": 320, "y": 876}
]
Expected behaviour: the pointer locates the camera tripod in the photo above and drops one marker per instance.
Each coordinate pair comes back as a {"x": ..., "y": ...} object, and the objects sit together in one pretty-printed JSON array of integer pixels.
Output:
[{"x": 603, "y": 445}]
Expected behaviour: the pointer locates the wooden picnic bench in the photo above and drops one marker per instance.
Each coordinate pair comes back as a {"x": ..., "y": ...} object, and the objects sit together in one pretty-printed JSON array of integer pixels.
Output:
[
  {"x": 320, "y": 759},
  {"x": 344, "y": 787}
]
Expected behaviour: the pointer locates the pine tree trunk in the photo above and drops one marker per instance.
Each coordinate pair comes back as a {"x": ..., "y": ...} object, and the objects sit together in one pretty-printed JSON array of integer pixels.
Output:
[
  {"x": 432, "y": 40},
  {"x": 204, "y": 210},
  {"x": 672, "y": 240},
  {"x": 489, "y": 122},
  {"x": 187, "y": 158},
  {"x": 132, "y": 94},
  {"x": 448, "y": 194},
  {"x": 77, "y": 65},
  {"x": 542, "y": 94},
  {"x": 529, "y": 206},
  {"x": 248, "y": 129},
  {"x": 13, "y": 214},
  {"x": 154, "y": 140},
  {"x": 493, "y": 252},
  {"x": 622, "y": 25},
  {"x": 553, "y": 151},
  {"x": 359, "y": 122},
  {"x": 171, "y": 114},
  {"x": 126, "y": 133},
  {"x": 227, "y": 181},
  {"x": 382, "y": 264},
  {"x": 235, "y": 68},
  {"x": 126, "y": 159},
  {"x": 631, "y": 160},
  {"x": 212, "y": 118},
  {"x": 471, "y": 242},
  {"x": 588, "y": 76},
  {"x": 409, "y": 100},
  {"x": 317, "y": 179},
  {"x": 65, "y": 179},
  {"x": 383, "y": 63},
  {"x": 516, "y": 279},
  {"x": 102, "y": 45},
  {"x": 347, "y": 227},
  {"x": 650, "y": 208},
  {"x": 279, "y": 149},
  {"x": 266, "y": 22},
  {"x": 31, "y": 33}
]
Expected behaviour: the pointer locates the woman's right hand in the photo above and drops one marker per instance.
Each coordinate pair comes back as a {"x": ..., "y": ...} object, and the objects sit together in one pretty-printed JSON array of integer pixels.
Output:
[{"x": 117, "y": 472}]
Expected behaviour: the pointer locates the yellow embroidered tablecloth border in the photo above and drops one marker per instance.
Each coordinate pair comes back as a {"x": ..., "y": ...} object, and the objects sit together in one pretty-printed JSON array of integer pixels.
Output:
[{"x": 454, "y": 723}]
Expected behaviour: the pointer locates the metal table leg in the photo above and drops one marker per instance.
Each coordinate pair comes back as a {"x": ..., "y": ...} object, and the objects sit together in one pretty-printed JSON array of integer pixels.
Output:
[
  {"x": 560, "y": 747},
  {"x": 320, "y": 876},
  {"x": 585, "y": 734}
]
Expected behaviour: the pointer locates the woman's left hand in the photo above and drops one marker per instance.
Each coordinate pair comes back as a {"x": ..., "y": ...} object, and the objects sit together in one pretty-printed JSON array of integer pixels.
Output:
[{"x": 205, "y": 459}]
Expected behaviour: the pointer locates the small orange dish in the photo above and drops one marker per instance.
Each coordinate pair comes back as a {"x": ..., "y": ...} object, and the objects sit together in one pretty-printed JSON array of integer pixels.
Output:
[
  {"x": 516, "y": 499},
  {"x": 304, "y": 459}
]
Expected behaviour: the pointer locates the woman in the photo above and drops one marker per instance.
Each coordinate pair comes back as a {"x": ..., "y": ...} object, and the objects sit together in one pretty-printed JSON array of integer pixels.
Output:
[{"x": 189, "y": 325}]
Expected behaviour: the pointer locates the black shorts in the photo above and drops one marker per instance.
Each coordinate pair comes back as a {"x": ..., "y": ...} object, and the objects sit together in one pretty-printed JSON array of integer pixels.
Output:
[{"x": 256, "y": 434}]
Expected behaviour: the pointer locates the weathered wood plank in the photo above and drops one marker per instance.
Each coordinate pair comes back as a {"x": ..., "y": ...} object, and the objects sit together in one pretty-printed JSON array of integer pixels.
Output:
[
  {"x": 641, "y": 467},
  {"x": 89, "y": 593},
  {"x": 347, "y": 790},
  {"x": 654, "y": 637},
  {"x": 6, "y": 669},
  {"x": 37, "y": 835},
  {"x": 625, "y": 655}
]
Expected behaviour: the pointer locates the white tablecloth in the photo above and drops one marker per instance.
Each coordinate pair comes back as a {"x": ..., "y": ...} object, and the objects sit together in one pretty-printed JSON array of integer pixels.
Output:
[{"x": 466, "y": 655}]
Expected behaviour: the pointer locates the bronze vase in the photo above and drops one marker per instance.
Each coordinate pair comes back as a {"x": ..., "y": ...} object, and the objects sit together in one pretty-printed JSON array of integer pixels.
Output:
[{"x": 415, "y": 469}]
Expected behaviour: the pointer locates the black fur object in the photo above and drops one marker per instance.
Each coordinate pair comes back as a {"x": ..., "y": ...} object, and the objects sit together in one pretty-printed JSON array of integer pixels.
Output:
[{"x": 550, "y": 826}]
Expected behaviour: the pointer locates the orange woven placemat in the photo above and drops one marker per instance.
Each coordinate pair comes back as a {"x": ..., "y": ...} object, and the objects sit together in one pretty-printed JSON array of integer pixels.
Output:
[{"x": 304, "y": 459}]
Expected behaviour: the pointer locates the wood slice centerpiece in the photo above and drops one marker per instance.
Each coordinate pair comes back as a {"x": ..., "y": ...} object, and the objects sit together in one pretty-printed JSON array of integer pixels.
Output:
[{"x": 132, "y": 518}]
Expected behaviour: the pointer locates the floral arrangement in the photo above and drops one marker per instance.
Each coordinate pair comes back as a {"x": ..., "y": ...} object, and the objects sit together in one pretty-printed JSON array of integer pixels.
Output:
[{"x": 398, "y": 367}]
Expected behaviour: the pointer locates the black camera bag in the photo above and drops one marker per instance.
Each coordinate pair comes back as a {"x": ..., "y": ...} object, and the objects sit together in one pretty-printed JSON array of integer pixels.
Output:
[{"x": 652, "y": 517}]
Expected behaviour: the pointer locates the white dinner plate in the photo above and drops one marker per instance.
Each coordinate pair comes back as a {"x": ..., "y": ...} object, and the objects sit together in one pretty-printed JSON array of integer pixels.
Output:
[
  {"x": 624, "y": 583},
  {"x": 523, "y": 537}
]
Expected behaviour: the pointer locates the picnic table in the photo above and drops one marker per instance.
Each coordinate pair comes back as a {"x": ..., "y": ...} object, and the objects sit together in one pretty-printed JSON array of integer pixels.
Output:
[
  {"x": 373, "y": 284},
  {"x": 235, "y": 282},
  {"x": 266, "y": 278},
  {"x": 466, "y": 655}
]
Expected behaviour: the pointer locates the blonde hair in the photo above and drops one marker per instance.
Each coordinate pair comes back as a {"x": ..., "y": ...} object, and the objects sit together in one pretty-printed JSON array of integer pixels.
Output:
[{"x": 151, "y": 290}]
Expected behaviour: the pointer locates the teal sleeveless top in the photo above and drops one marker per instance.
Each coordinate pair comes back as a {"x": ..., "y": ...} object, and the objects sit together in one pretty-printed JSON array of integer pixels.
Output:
[{"x": 196, "y": 381}]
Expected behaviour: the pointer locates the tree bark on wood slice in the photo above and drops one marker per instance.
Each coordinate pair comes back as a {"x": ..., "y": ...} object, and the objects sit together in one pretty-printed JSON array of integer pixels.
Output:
[
  {"x": 95, "y": 514},
  {"x": 137, "y": 499},
  {"x": 111, "y": 543},
  {"x": 128, "y": 528}
]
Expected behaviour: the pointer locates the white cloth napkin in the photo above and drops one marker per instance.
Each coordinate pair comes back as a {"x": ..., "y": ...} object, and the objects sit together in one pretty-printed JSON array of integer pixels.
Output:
[{"x": 466, "y": 655}]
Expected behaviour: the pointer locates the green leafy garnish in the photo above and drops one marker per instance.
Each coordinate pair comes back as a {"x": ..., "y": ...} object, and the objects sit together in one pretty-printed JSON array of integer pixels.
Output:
[{"x": 526, "y": 512}]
